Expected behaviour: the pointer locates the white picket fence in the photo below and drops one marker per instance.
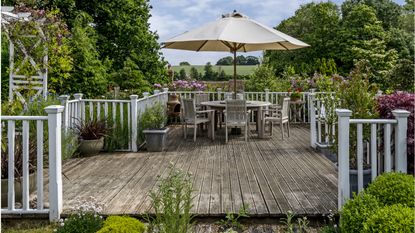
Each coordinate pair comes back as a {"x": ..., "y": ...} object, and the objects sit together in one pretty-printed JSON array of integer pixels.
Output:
[
  {"x": 122, "y": 113},
  {"x": 266, "y": 95},
  {"x": 380, "y": 159},
  {"x": 16, "y": 130}
]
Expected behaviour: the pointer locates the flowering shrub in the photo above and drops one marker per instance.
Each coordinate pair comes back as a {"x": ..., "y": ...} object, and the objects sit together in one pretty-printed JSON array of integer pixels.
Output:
[
  {"x": 184, "y": 85},
  {"x": 85, "y": 218},
  {"x": 400, "y": 100}
]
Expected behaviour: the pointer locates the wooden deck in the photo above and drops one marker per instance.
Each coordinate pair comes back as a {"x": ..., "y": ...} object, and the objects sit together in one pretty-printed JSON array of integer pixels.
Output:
[{"x": 271, "y": 175}]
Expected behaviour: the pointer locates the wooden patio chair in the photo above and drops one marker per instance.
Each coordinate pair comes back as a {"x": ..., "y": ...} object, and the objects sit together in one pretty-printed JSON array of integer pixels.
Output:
[
  {"x": 278, "y": 115},
  {"x": 199, "y": 98},
  {"x": 236, "y": 115},
  {"x": 195, "y": 117}
]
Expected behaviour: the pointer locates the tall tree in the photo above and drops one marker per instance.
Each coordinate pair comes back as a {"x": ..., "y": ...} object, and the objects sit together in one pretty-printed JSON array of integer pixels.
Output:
[
  {"x": 252, "y": 60},
  {"x": 124, "y": 34},
  {"x": 89, "y": 75},
  {"x": 387, "y": 11},
  {"x": 363, "y": 37},
  {"x": 314, "y": 23},
  {"x": 225, "y": 61},
  {"x": 241, "y": 60},
  {"x": 194, "y": 74},
  {"x": 209, "y": 72}
]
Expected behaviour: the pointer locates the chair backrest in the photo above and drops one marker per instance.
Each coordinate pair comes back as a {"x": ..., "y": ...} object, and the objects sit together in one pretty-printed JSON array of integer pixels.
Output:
[
  {"x": 201, "y": 97},
  {"x": 189, "y": 109},
  {"x": 228, "y": 95},
  {"x": 236, "y": 111},
  {"x": 285, "y": 107}
]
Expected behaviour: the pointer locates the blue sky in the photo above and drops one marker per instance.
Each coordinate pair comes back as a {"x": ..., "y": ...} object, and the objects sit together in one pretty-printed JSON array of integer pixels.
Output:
[{"x": 172, "y": 17}]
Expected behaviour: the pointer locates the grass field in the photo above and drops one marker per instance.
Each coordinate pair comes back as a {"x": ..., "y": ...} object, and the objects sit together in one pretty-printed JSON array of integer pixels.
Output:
[{"x": 241, "y": 70}]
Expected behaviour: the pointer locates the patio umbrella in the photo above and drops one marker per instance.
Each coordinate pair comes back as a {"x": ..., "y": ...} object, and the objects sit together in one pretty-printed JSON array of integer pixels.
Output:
[{"x": 233, "y": 33}]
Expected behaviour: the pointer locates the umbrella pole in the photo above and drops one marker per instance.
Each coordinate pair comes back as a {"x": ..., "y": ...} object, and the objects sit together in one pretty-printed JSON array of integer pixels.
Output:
[{"x": 234, "y": 73}]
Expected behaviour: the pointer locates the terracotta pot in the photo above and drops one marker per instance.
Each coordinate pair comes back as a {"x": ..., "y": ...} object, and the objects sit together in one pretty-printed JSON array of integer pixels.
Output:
[
  {"x": 18, "y": 191},
  {"x": 91, "y": 147}
]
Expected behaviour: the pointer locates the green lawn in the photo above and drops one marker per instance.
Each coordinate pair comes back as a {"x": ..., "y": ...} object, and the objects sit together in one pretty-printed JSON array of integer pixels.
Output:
[{"x": 241, "y": 70}]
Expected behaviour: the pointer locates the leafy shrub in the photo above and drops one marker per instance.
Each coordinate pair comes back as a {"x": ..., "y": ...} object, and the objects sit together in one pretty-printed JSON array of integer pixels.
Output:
[
  {"x": 154, "y": 117},
  {"x": 393, "y": 188},
  {"x": 395, "y": 218},
  {"x": 356, "y": 211},
  {"x": 400, "y": 100},
  {"x": 264, "y": 77},
  {"x": 121, "y": 224},
  {"x": 172, "y": 204}
]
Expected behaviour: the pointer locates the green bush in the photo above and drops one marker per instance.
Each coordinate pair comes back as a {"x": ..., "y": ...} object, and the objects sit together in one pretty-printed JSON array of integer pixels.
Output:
[
  {"x": 393, "y": 188},
  {"x": 395, "y": 218},
  {"x": 122, "y": 224},
  {"x": 82, "y": 222},
  {"x": 356, "y": 211}
]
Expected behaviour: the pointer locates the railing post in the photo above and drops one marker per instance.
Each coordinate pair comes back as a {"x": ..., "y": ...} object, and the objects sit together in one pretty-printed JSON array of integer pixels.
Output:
[
  {"x": 156, "y": 91},
  {"x": 401, "y": 139},
  {"x": 266, "y": 95},
  {"x": 218, "y": 92},
  {"x": 55, "y": 161},
  {"x": 343, "y": 155},
  {"x": 134, "y": 119},
  {"x": 78, "y": 96},
  {"x": 313, "y": 125},
  {"x": 64, "y": 102},
  {"x": 146, "y": 94},
  {"x": 165, "y": 89}
]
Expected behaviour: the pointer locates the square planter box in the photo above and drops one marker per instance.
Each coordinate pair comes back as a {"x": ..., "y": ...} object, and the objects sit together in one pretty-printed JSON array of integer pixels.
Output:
[{"x": 156, "y": 139}]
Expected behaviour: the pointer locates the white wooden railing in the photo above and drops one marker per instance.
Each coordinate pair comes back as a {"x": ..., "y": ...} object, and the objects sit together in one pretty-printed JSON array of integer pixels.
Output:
[
  {"x": 380, "y": 160},
  {"x": 266, "y": 95},
  {"x": 122, "y": 113},
  {"x": 53, "y": 121},
  {"x": 322, "y": 129}
]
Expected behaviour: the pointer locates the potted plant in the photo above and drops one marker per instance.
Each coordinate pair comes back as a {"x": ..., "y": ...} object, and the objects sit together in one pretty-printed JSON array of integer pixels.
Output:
[
  {"x": 18, "y": 163},
  {"x": 153, "y": 123},
  {"x": 295, "y": 96},
  {"x": 91, "y": 136}
]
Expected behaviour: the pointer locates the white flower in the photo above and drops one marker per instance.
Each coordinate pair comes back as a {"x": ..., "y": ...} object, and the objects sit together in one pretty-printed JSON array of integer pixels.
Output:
[{"x": 62, "y": 224}]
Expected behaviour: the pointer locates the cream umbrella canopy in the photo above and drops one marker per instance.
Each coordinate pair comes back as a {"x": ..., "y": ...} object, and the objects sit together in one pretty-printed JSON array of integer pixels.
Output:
[{"x": 233, "y": 33}]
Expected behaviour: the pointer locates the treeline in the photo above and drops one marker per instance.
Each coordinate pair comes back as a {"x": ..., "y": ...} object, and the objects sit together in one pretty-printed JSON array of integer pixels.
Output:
[
  {"x": 240, "y": 60},
  {"x": 379, "y": 31},
  {"x": 101, "y": 44},
  {"x": 209, "y": 74}
]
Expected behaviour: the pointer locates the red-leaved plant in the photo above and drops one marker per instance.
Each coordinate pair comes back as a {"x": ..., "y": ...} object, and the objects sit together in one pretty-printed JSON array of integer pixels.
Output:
[{"x": 400, "y": 100}]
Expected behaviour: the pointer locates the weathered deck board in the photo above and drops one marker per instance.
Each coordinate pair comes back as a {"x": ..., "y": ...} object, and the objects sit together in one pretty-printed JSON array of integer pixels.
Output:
[{"x": 271, "y": 175}]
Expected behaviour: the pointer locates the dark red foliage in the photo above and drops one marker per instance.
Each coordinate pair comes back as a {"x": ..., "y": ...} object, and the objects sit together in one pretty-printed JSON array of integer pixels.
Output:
[{"x": 400, "y": 100}]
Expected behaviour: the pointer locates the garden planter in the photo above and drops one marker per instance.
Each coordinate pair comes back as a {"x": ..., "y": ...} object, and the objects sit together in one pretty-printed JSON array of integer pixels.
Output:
[
  {"x": 156, "y": 139},
  {"x": 91, "y": 147},
  {"x": 367, "y": 176},
  {"x": 18, "y": 182},
  {"x": 327, "y": 151}
]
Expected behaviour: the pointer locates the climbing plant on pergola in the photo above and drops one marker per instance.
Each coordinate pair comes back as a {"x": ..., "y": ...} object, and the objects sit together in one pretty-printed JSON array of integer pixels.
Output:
[{"x": 30, "y": 33}]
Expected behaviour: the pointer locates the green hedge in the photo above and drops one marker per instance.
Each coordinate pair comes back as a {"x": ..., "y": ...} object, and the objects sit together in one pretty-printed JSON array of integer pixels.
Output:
[
  {"x": 356, "y": 211},
  {"x": 395, "y": 218},
  {"x": 122, "y": 224},
  {"x": 393, "y": 188}
]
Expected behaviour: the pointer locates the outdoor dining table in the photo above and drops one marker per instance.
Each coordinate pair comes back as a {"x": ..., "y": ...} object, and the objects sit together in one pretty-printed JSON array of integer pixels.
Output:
[{"x": 220, "y": 106}]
